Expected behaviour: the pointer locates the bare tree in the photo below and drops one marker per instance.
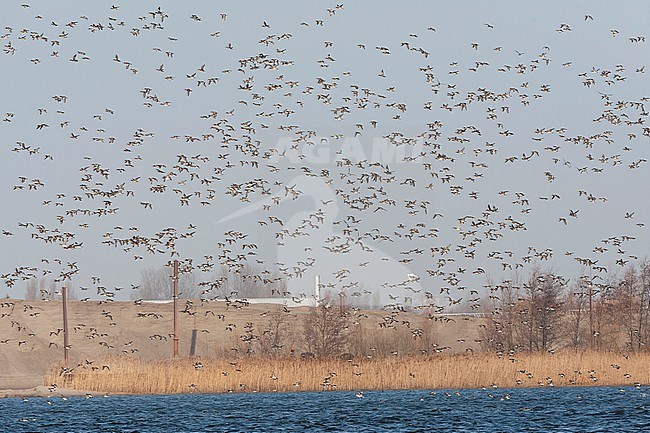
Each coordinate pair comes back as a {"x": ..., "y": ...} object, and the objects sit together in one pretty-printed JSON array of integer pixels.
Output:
[
  {"x": 606, "y": 326},
  {"x": 575, "y": 308},
  {"x": 630, "y": 300},
  {"x": 627, "y": 296},
  {"x": 247, "y": 281},
  {"x": 249, "y": 337},
  {"x": 158, "y": 284},
  {"x": 503, "y": 303},
  {"x": 598, "y": 312},
  {"x": 275, "y": 333},
  {"x": 47, "y": 290},
  {"x": 541, "y": 319},
  {"x": 362, "y": 297},
  {"x": 644, "y": 303},
  {"x": 31, "y": 291},
  {"x": 325, "y": 331}
]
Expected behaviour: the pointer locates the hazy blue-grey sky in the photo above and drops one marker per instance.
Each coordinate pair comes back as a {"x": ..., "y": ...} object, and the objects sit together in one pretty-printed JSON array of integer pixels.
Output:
[{"x": 480, "y": 127}]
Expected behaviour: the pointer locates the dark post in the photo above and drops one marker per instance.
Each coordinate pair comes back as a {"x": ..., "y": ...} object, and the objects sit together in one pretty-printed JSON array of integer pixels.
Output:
[
  {"x": 175, "y": 281},
  {"x": 591, "y": 311},
  {"x": 66, "y": 346},
  {"x": 193, "y": 342}
]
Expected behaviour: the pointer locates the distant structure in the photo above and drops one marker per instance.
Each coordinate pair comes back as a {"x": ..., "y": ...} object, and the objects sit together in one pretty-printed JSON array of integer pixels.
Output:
[{"x": 294, "y": 301}]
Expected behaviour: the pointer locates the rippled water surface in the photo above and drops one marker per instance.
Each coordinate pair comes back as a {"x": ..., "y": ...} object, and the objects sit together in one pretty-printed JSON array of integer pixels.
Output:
[{"x": 518, "y": 410}]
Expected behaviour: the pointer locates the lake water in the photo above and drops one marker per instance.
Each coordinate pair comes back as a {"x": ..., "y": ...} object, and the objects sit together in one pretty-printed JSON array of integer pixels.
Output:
[{"x": 516, "y": 410}]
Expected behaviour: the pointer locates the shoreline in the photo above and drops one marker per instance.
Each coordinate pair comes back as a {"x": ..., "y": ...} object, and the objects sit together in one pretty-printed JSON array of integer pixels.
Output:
[{"x": 42, "y": 391}]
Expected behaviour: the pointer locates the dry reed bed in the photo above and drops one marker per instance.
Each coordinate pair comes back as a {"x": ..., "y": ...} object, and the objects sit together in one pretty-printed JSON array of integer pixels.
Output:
[{"x": 135, "y": 376}]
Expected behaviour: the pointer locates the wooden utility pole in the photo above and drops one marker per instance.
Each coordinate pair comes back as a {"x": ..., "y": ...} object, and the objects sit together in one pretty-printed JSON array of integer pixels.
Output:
[
  {"x": 175, "y": 282},
  {"x": 66, "y": 345}
]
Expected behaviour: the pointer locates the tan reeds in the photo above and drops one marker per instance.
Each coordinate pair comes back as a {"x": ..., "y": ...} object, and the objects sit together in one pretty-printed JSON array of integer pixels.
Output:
[{"x": 135, "y": 376}]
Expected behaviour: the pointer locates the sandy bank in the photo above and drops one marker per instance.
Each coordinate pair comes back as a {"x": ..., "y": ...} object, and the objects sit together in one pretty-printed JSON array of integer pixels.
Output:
[{"x": 46, "y": 392}]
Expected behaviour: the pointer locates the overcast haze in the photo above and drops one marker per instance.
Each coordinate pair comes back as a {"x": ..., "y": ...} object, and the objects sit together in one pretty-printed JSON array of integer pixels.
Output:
[{"x": 416, "y": 129}]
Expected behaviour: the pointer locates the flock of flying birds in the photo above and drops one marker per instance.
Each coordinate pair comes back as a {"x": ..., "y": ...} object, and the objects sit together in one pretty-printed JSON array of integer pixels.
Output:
[{"x": 417, "y": 158}]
